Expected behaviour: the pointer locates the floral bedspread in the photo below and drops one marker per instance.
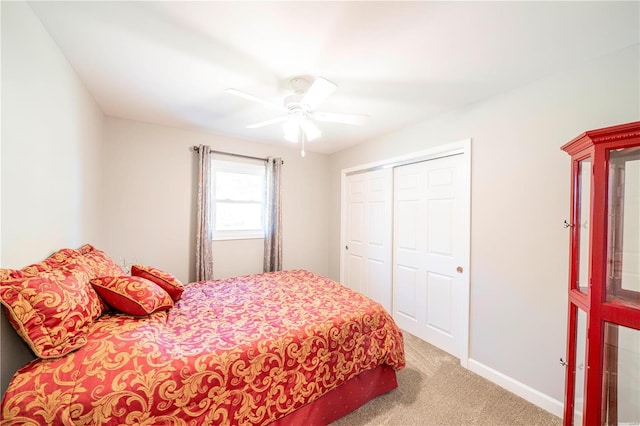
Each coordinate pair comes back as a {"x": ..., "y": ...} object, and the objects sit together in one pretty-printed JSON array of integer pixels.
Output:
[{"x": 245, "y": 350}]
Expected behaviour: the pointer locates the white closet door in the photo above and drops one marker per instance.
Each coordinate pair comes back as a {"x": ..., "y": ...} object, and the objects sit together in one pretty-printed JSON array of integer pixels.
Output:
[
  {"x": 368, "y": 267},
  {"x": 429, "y": 289}
]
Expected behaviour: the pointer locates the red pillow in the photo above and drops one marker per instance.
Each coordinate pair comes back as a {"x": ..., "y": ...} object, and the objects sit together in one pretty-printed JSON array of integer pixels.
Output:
[
  {"x": 51, "y": 313},
  {"x": 168, "y": 282},
  {"x": 132, "y": 295},
  {"x": 57, "y": 260}
]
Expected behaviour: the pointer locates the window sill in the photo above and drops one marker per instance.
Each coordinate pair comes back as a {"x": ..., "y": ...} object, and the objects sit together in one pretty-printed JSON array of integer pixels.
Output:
[{"x": 238, "y": 237}]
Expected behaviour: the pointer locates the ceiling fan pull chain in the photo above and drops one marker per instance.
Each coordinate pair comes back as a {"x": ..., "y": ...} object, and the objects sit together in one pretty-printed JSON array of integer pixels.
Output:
[{"x": 302, "y": 138}]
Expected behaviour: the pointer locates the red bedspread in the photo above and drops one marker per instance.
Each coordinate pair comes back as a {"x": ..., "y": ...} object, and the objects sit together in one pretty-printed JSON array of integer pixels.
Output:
[{"x": 246, "y": 350}]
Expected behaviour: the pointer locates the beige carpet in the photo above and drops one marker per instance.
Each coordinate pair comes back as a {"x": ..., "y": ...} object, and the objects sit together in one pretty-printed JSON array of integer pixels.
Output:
[{"x": 434, "y": 389}]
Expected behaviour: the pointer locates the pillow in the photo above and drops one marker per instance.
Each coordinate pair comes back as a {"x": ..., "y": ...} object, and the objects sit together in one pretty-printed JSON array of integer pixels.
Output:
[
  {"x": 168, "y": 282},
  {"x": 57, "y": 267},
  {"x": 98, "y": 262},
  {"x": 95, "y": 305},
  {"x": 132, "y": 295},
  {"x": 51, "y": 314},
  {"x": 60, "y": 258},
  {"x": 7, "y": 274}
]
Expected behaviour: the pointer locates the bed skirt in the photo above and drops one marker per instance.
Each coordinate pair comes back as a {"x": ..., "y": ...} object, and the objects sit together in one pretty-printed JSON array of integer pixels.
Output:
[{"x": 344, "y": 399}]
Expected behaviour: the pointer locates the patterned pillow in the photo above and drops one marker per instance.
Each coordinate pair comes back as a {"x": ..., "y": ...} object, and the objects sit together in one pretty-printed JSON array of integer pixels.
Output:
[
  {"x": 132, "y": 295},
  {"x": 57, "y": 266},
  {"x": 7, "y": 274},
  {"x": 51, "y": 313},
  {"x": 168, "y": 282},
  {"x": 98, "y": 262},
  {"x": 58, "y": 259}
]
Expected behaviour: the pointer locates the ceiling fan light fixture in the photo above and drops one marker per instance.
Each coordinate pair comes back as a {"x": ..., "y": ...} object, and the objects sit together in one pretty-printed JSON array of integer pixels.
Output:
[
  {"x": 290, "y": 128},
  {"x": 311, "y": 130}
]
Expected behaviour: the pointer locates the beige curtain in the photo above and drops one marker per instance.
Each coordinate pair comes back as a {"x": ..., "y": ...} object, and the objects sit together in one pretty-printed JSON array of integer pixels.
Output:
[
  {"x": 204, "y": 230},
  {"x": 272, "y": 229}
]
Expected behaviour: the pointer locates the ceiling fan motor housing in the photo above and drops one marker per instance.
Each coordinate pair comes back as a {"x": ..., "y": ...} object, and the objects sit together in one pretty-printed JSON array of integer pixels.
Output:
[
  {"x": 300, "y": 85},
  {"x": 293, "y": 106}
]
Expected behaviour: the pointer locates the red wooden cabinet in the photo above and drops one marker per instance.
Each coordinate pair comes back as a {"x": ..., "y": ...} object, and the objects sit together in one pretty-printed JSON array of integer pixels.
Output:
[{"x": 603, "y": 334}]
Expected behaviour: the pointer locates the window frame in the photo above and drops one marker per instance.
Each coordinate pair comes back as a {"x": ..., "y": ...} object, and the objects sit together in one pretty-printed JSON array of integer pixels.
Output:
[{"x": 237, "y": 167}]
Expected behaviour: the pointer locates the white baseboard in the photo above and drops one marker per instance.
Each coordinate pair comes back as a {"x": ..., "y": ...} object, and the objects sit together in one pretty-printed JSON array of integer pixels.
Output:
[{"x": 535, "y": 397}]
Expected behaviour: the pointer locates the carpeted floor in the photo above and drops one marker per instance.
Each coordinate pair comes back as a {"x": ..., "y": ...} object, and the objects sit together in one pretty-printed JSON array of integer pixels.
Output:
[{"x": 434, "y": 389}]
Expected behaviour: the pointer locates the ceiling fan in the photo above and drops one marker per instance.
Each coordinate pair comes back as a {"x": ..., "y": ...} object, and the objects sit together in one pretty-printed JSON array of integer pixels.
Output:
[{"x": 298, "y": 109}]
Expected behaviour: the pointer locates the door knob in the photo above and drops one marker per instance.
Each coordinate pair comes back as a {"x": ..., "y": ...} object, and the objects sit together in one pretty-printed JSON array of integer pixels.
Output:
[
  {"x": 459, "y": 269},
  {"x": 346, "y": 247}
]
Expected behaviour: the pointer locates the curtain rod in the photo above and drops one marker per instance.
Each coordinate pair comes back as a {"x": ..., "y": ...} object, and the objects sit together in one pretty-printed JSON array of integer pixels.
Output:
[{"x": 213, "y": 151}]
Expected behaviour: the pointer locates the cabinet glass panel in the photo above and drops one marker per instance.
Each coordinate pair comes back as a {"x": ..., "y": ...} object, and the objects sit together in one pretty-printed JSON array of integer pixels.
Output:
[
  {"x": 583, "y": 196},
  {"x": 581, "y": 345},
  {"x": 621, "y": 376},
  {"x": 623, "y": 262}
]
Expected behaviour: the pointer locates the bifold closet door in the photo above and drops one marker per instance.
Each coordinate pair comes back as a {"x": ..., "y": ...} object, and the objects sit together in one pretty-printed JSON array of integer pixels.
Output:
[
  {"x": 368, "y": 238},
  {"x": 429, "y": 249}
]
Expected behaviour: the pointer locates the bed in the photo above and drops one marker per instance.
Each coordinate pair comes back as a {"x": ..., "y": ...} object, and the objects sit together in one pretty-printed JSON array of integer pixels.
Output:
[{"x": 279, "y": 348}]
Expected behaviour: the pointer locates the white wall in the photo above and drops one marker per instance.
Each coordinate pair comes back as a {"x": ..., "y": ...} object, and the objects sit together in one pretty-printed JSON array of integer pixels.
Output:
[
  {"x": 149, "y": 201},
  {"x": 520, "y": 197},
  {"x": 51, "y": 161}
]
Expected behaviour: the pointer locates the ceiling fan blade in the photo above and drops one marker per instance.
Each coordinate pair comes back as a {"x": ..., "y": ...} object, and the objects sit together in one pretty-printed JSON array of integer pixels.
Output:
[
  {"x": 335, "y": 117},
  {"x": 318, "y": 92},
  {"x": 267, "y": 122},
  {"x": 252, "y": 98}
]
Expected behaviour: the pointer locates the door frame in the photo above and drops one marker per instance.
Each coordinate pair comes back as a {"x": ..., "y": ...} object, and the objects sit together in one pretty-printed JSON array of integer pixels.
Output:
[{"x": 463, "y": 148}]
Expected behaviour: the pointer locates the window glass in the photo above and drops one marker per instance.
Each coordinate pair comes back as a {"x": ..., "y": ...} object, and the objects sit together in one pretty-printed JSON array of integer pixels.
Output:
[
  {"x": 581, "y": 346},
  {"x": 239, "y": 186},
  {"x": 584, "y": 203},
  {"x": 238, "y": 200},
  {"x": 623, "y": 274},
  {"x": 238, "y": 217},
  {"x": 621, "y": 375}
]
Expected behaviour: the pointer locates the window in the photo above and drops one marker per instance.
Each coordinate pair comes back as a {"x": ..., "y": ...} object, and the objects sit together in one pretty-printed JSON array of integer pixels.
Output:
[{"x": 238, "y": 200}]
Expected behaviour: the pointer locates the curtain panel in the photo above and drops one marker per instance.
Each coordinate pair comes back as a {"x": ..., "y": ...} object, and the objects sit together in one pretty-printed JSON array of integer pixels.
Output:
[
  {"x": 273, "y": 221},
  {"x": 204, "y": 227}
]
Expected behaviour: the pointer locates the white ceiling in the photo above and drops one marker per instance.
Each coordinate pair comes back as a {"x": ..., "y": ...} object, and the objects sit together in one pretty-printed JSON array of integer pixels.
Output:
[{"x": 399, "y": 62}]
